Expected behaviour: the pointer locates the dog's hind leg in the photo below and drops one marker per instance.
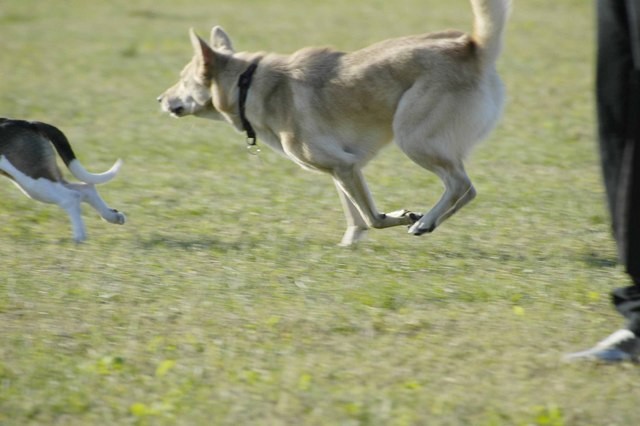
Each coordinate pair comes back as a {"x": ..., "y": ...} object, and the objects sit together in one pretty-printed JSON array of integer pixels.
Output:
[
  {"x": 70, "y": 202},
  {"x": 51, "y": 192},
  {"x": 68, "y": 199},
  {"x": 458, "y": 191},
  {"x": 91, "y": 196},
  {"x": 437, "y": 136}
]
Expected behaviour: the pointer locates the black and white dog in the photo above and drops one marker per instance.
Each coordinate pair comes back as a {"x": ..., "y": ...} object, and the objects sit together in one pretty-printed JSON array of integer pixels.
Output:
[{"x": 28, "y": 158}]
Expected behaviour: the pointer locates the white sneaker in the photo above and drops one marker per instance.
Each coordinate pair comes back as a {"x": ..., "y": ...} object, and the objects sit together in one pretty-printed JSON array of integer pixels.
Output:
[{"x": 622, "y": 345}]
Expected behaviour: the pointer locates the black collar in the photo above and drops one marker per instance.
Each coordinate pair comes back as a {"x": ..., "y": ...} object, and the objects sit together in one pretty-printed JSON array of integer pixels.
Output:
[{"x": 244, "y": 82}]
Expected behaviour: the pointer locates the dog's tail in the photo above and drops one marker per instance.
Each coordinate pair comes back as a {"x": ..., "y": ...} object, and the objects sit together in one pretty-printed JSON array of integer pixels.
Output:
[
  {"x": 490, "y": 18},
  {"x": 63, "y": 147}
]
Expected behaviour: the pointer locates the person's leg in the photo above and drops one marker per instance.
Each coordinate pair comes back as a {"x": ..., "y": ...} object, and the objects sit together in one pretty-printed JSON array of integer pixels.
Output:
[
  {"x": 624, "y": 344},
  {"x": 627, "y": 302},
  {"x": 627, "y": 299},
  {"x": 612, "y": 68},
  {"x": 617, "y": 96}
]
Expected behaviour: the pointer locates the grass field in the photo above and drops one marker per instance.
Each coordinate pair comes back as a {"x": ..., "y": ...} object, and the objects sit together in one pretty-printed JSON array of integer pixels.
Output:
[{"x": 225, "y": 300}]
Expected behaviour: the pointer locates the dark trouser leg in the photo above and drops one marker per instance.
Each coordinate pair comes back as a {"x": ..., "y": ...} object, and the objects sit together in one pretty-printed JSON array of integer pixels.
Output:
[
  {"x": 627, "y": 302},
  {"x": 613, "y": 65},
  {"x": 627, "y": 299},
  {"x": 629, "y": 228},
  {"x": 618, "y": 94}
]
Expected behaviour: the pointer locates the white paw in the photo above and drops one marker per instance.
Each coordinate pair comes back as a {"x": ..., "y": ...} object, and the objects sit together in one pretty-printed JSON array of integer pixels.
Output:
[
  {"x": 115, "y": 217},
  {"x": 352, "y": 235},
  {"x": 421, "y": 227},
  {"x": 121, "y": 218},
  {"x": 80, "y": 238},
  {"x": 405, "y": 215}
]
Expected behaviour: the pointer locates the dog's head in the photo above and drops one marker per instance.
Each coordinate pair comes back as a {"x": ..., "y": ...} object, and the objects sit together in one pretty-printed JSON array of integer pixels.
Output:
[{"x": 192, "y": 94}]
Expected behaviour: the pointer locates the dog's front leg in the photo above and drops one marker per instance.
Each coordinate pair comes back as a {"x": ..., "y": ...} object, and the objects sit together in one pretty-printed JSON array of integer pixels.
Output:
[
  {"x": 356, "y": 225},
  {"x": 349, "y": 179}
]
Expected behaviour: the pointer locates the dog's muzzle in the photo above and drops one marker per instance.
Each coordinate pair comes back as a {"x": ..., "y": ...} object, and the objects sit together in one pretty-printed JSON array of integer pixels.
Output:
[{"x": 176, "y": 110}]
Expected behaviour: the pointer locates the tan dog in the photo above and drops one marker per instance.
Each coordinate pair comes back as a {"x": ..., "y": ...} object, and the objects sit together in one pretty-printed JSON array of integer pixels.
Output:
[
  {"x": 28, "y": 158},
  {"x": 436, "y": 95}
]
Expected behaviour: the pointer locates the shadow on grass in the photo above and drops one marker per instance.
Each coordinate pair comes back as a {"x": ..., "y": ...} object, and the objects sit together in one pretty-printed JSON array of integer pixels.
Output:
[
  {"x": 192, "y": 243},
  {"x": 597, "y": 260},
  {"x": 156, "y": 15}
]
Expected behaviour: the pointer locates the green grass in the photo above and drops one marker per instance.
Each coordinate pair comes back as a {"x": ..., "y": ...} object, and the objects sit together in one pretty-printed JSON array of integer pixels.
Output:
[{"x": 225, "y": 300}]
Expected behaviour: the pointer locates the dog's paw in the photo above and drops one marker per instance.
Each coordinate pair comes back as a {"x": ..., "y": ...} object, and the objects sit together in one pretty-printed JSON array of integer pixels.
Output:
[
  {"x": 353, "y": 235},
  {"x": 408, "y": 216},
  {"x": 116, "y": 217},
  {"x": 414, "y": 217},
  {"x": 80, "y": 238},
  {"x": 419, "y": 228},
  {"x": 120, "y": 218}
]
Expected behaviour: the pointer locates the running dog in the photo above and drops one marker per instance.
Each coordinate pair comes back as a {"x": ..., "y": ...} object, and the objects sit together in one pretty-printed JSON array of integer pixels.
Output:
[
  {"x": 436, "y": 95},
  {"x": 28, "y": 158}
]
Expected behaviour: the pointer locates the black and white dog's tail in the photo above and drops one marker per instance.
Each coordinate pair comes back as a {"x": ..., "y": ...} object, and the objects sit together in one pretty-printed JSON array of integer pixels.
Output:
[{"x": 63, "y": 147}]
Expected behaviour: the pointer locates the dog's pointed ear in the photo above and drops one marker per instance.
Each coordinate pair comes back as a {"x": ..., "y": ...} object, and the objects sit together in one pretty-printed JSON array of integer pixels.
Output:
[
  {"x": 202, "y": 50},
  {"x": 220, "y": 40}
]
